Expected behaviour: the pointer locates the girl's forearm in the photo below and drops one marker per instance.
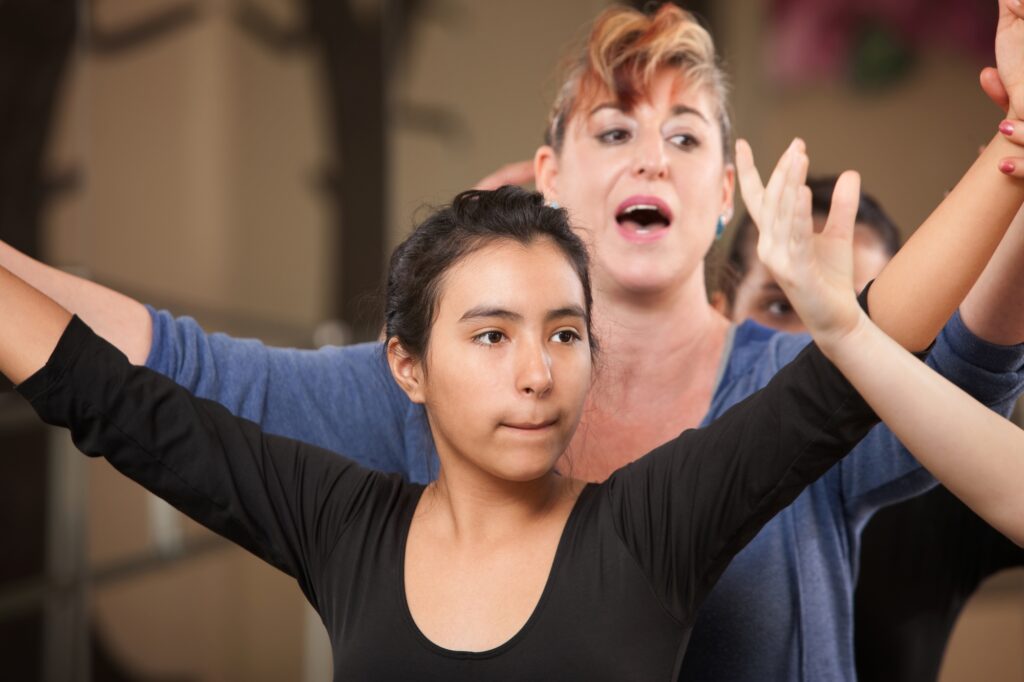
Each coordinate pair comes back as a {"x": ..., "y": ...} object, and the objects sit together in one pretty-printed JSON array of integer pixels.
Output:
[
  {"x": 30, "y": 326},
  {"x": 925, "y": 282},
  {"x": 973, "y": 451},
  {"x": 994, "y": 310}
]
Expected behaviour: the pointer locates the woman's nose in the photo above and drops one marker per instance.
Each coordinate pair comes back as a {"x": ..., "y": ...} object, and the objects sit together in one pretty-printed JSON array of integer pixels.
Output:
[{"x": 650, "y": 161}]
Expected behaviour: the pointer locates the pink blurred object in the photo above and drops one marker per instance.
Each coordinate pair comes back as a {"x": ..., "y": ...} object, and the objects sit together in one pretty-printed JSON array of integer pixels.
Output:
[{"x": 811, "y": 40}]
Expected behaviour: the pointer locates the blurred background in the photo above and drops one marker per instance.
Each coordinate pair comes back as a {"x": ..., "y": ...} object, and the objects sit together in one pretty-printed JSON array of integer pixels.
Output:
[{"x": 252, "y": 162}]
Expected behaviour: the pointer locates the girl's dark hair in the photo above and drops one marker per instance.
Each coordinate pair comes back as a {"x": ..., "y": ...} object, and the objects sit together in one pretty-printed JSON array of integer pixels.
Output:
[
  {"x": 474, "y": 219},
  {"x": 742, "y": 248}
]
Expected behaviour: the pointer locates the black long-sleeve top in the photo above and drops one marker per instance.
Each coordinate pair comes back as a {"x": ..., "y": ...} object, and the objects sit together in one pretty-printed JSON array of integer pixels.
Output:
[{"x": 636, "y": 557}]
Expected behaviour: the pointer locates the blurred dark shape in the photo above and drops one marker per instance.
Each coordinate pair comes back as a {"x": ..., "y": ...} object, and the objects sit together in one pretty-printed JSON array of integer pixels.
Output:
[
  {"x": 358, "y": 47},
  {"x": 111, "y": 42},
  {"x": 23, "y": 477},
  {"x": 879, "y": 58},
  {"x": 36, "y": 38}
]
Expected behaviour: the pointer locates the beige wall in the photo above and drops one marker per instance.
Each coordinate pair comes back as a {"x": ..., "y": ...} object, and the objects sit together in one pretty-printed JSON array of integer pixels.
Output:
[{"x": 199, "y": 153}]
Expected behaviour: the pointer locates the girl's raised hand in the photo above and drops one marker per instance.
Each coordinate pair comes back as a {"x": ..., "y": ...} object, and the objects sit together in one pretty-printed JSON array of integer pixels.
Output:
[
  {"x": 815, "y": 269},
  {"x": 1010, "y": 53}
]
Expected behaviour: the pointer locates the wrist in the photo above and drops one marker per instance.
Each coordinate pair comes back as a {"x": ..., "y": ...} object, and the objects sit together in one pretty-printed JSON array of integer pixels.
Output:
[{"x": 838, "y": 342}]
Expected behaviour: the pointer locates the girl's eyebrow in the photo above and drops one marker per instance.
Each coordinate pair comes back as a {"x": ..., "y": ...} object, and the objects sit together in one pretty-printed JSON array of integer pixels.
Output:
[{"x": 494, "y": 311}]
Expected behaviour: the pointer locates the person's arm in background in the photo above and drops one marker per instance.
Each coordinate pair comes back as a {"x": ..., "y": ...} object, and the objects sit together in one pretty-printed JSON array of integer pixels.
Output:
[
  {"x": 30, "y": 326},
  {"x": 119, "y": 319},
  {"x": 342, "y": 399}
]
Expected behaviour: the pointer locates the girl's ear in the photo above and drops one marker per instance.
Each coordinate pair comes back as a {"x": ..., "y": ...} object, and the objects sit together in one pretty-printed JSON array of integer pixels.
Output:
[{"x": 407, "y": 371}]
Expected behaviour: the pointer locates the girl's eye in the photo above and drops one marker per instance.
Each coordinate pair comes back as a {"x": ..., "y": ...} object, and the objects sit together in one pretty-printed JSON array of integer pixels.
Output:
[
  {"x": 490, "y": 338},
  {"x": 566, "y": 336},
  {"x": 684, "y": 140},
  {"x": 614, "y": 136}
]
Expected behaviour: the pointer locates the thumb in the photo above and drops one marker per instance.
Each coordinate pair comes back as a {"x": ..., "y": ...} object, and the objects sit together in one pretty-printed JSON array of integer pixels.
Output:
[{"x": 993, "y": 87}]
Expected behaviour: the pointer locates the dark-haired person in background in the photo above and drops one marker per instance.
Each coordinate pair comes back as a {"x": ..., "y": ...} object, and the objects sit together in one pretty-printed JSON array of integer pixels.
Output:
[
  {"x": 921, "y": 559},
  {"x": 743, "y": 288}
]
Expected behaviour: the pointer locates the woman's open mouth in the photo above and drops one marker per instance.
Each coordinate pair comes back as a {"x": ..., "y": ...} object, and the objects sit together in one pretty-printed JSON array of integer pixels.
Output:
[{"x": 643, "y": 219}]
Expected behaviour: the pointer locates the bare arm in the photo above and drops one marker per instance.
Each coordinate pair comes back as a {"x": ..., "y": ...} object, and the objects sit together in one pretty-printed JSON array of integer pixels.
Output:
[
  {"x": 920, "y": 289},
  {"x": 973, "y": 451},
  {"x": 30, "y": 326},
  {"x": 119, "y": 319},
  {"x": 994, "y": 308},
  {"x": 977, "y": 454}
]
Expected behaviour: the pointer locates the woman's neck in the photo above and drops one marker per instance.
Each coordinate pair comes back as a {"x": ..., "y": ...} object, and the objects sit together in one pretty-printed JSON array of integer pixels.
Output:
[
  {"x": 656, "y": 344},
  {"x": 655, "y": 377}
]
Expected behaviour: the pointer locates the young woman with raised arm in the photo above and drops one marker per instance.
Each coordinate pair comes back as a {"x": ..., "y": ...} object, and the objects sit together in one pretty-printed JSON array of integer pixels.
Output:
[
  {"x": 646, "y": 177},
  {"x": 502, "y": 568}
]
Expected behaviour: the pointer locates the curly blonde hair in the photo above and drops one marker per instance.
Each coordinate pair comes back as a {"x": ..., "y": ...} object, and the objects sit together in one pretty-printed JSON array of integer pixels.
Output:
[{"x": 623, "y": 53}]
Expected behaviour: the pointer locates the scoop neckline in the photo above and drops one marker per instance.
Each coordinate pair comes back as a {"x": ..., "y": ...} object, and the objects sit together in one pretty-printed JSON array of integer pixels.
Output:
[{"x": 535, "y": 615}]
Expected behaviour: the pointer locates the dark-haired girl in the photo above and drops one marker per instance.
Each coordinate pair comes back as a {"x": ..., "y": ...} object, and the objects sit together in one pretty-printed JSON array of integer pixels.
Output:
[
  {"x": 642, "y": 121},
  {"x": 501, "y": 568}
]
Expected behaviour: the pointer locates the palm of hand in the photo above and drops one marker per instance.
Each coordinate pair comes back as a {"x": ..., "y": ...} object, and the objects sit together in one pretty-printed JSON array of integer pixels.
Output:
[
  {"x": 1010, "y": 55},
  {"x": 820, "y": 280},
  {"x": 814, "y": 269}
]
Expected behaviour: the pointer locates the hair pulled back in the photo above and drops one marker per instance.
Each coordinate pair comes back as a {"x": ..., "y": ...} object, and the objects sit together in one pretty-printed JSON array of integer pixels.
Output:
[
  {"x": 474, "y": 219},
  {"x": 623, "y": 53}
]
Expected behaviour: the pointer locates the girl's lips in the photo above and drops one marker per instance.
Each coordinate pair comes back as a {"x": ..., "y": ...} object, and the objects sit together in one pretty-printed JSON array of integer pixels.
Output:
[{"x": 528, "y": 426}]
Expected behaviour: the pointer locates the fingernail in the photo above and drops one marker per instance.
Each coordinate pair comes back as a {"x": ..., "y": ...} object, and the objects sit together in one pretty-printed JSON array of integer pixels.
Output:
[
  {"x": 1006, "y": 128},
  {"x": 1007, "y": 166}
]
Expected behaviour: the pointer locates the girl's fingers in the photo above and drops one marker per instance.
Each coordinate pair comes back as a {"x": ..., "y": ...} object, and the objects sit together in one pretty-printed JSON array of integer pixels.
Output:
[
  {"x": 776, "y": 183},
  {"x": 750, "y": 179},
  {"x": 845, "y": 198},
  {"x": 803, "y": 215},
  {"x": 795, "y": 177},
  {"x": 1013, "y": 131},
  {"x": 1012, "y": 166}
]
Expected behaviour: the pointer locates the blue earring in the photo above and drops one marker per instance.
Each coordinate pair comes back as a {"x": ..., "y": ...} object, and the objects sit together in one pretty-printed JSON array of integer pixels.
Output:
[
  {"x": 720, "y": 228},
  {"x": 554, "y": 204}
]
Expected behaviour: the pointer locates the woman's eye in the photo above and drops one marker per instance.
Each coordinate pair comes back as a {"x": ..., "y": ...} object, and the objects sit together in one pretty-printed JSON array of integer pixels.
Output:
[
  {"x": 489, "y": 338},
  {"x": 684, "y": 140},
  {"x": 566, "y": 336},
  {"x": 614, "y": 136}
]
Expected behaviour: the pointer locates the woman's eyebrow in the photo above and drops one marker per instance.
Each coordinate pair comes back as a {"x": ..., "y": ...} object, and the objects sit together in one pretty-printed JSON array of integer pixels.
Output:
[
  {"x": 606, "y": 105},
  {"x": 681, "y": 109}
]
